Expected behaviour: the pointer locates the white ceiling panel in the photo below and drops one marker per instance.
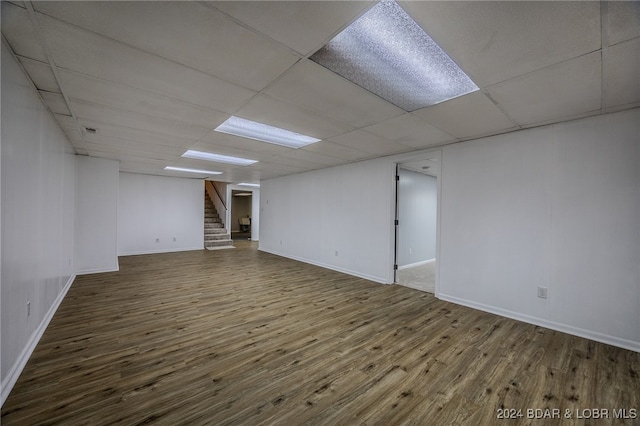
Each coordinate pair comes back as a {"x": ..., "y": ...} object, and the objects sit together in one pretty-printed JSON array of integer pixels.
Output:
[
  {"x": 313, "y": 157},
  {"x": 410, "y": 131},
  {"x": 114, "y": 95},
  {"x": 622, "y": 76},
  {"x": 623, "y": 20},
  {"x": 101, "y": 114},
  {"x": 315, "y": 88},
  {"x": 334, "y": 150},
  {"x": 472, "y": 115},
  {"x": 493, "y": 41},
  {"x": 16, "y": 27},
  {"x": 66, "y": 122},
  {"x": 302, "y": 26},
  {"x": 135, "y": 151},
  {"x": 55, "y": 102},
  {"x": 560, "y": 91},
  {"x": 135, "y": 135},
  {"x": 165, "y": 28},
  {"x": 233, "y": 151},
  {"x": 133, "y": 145},
  {"x": 267, "y": 110},
  {"x": 86, "y": 52},
  {"x": 370, "y": 143},
  {"x": 41, "y": 74},
  {"x": 75, "y": 137}
]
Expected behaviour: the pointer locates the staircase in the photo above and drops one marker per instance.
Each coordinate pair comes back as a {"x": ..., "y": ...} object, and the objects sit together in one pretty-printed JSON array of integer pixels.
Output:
[{"x": 215, "y": 234}]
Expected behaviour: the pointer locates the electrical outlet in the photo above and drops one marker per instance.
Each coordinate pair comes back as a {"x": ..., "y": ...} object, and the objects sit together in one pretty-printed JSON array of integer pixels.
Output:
[
  {"x": 28, "y": 308},
  {"x": 157, "y": 240},
  {"x": 410, "y": 251},
  {"x": 174, "y": 239},
  {"x": 543, "y": 292},
  {"x": 336, "y": 253}
]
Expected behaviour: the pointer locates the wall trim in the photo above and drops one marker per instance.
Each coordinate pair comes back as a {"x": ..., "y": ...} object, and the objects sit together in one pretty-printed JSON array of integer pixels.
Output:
[
  {"x": 21, "y": 362},
  {"x": 564, "y": 328},
  {"x": 415, "y": 265},
  {"x": 136, "y": 253},
  {"x": 98, "y": 270},
  {"x": 378, "y": 280}
]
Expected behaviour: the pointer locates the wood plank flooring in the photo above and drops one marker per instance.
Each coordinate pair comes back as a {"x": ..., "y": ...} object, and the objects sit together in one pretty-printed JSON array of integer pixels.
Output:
[{"x": 235, "y": 337}]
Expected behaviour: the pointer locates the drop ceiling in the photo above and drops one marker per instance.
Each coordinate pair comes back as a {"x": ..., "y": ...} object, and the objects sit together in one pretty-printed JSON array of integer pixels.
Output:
[{"x": 156, "y": 78}]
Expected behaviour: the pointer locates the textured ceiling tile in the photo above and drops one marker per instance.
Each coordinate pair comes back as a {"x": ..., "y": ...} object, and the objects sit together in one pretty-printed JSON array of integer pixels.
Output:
[
  {"x": 88, "y": 53},
  {"x": 55, "y": 102},
  {"x": 216, "y": 44},
  {"x": 17, "y": 28},
  {"x": 623, "y": 74},
  {"x": 315, "y": 88},
  {"x": 303, "y": 26},
  {"x": 114, "y": 95},
  {"x": 624, "y": 20},
  {"x": 41, "y": 74},
  {"x": 267, "y": 110},
  {"x": 339, "y": 151},
  {"x": 493, "y": 41},
  {"x": 554, "y": 93},
  {"x": 472, "y": 115},
  {"x": 410, "y": 131},
  {"x": 369, "y": 143}
]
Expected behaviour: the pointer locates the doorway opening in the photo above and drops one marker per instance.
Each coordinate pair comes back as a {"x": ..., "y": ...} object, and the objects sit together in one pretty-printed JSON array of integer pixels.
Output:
[
  {"x": 416, "y": 223},
  {"x": 241, "y": 208}
]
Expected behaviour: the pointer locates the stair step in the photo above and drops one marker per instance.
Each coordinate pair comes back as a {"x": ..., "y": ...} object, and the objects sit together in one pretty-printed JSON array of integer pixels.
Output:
[
  {"x": 215, "y": 230},
  {"x": 218, "y": 243},
  {"x": 213, "y": 225},
  {"x": 216, "y": 237}
]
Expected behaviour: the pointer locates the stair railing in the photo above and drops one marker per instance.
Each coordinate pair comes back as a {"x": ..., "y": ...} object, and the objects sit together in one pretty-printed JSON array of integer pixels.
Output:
[{"x": 217, "y": 199}]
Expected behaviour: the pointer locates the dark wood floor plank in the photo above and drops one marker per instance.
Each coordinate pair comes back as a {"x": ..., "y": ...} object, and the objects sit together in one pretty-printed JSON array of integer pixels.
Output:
[{"x": 235, "y": 337}]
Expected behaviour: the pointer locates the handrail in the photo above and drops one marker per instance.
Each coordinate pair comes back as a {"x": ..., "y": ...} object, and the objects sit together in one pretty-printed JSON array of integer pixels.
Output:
[{"x": 212, "y": 185}]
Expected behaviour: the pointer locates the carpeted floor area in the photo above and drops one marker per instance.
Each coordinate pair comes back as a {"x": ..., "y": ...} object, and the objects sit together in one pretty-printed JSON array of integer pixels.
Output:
[{"x": 421, "y": 277}]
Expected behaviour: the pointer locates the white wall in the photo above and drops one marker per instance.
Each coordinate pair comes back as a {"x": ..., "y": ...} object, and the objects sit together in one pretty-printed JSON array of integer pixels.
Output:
[
  {"x": 159, "y": 214},
  {"x": 557, "y": 207},
  {"x": 417, "y": 213},
  {"x": 96, "y": 215},
  {"x": 339, "y": 218},
  {"x": 38, "y": 171}
]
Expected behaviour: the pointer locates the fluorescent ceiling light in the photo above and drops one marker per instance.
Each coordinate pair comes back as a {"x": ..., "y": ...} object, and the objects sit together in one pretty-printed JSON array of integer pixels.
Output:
[
  {"x": 199, "y": 171},
  {"x": 386, "y": 52},
  {"x": 208, "y": 156},
  {"x": 262, "y": 132},
  {"x": 257, "y": 185}
]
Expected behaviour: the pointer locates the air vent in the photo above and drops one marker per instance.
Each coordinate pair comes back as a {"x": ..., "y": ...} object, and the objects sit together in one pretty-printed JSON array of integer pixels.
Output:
[{"x": 90, "y": 130}]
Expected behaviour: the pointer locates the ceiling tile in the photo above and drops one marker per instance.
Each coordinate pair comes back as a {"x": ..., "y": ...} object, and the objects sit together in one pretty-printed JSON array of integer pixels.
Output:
[
  {"x": 66, "y": 122},
  {"x": 313, "y": 87},
  {"x": 267, "y": 110},
  {"x": 472, "y": 115},
  {"x": 133, "y": 135},
  {"x": 16, "y": 27},
  {"x": 624, "y": 20},
  {"x": 302, "y": 26},
  {"x": 114, "y": 95},
  {"x": 41, "y": 74},
  {"x": 369, "y": 143},
  {"x": 339, "y": 151},
  {"x": 101, "y": 114},
  {"x": 134, "y": 151},
  {"x": 233, "y": 151},
  {"x": 165, "y": 28},
  {"x": 493, "y": 41},
  {"x": 554, "y": 93},
  {"x": 410, "y": 131},
  {"x": 313, "y": 157},
  {"x": 55, "y": 102},
  {"x": 88, "y": 53},
  {"x": 133, "y": 146},
  {"x": 623, "y": 74}
]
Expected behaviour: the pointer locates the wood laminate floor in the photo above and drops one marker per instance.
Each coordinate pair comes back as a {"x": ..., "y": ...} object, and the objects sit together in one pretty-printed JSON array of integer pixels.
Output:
[{"x": 241, "y": 337}]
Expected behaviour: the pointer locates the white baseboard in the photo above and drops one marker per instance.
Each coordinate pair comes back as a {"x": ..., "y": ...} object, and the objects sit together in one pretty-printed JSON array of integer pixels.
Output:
[
  {"x": 415, "y": 265},
  {"x": 21, "y": 362},
  {"x": 167, "y": 250},
  {"x": 564, "y": 328},
  {"x": 326, "y": 266}
]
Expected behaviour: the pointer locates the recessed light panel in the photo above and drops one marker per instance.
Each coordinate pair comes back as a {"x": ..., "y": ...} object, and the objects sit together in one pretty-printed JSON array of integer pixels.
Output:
[
  {"x": 255, "y": 185},
  {"x": 199, "y": 171},
  {"x": 386, "y": 52},
  {"x": 218, "y": 158},
  {"x": 263, "y": 132}
]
